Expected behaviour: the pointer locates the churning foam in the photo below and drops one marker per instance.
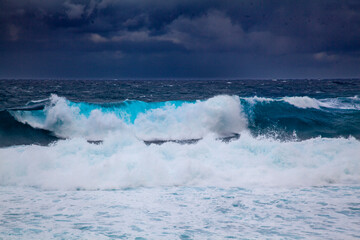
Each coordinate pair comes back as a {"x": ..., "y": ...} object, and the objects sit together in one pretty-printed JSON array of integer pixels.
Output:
[{"x": 123, "y": 161}]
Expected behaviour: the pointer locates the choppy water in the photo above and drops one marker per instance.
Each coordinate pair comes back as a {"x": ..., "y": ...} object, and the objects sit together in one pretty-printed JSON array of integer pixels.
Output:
[
  {"x": 180, "y": 159},
  {"x": 182, "y": 213}
]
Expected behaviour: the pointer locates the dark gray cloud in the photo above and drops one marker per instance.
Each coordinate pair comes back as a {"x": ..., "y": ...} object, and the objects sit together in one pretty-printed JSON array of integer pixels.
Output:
[{"x": 173, "y": 38}]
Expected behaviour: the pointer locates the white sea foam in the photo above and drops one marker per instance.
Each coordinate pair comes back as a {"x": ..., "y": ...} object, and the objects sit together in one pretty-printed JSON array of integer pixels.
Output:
[
  {"x": 349, "y": 103},
  {"x": 303, "y": 102},
  {"x": 332, "y": 103},
  {"x": 256, "y": 99},
  {"x": 37, "y": 101},
  {"x": 299, "y": 102},
  {"x": 123, "y": 161}
]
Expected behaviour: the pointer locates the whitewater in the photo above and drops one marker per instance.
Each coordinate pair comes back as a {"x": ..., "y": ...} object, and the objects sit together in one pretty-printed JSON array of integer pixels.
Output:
[{"x": 148, "y": 166}]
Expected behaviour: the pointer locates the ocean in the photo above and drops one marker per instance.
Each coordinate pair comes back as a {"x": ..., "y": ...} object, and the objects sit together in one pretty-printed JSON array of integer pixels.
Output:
[{"x": 180, "y": 159}]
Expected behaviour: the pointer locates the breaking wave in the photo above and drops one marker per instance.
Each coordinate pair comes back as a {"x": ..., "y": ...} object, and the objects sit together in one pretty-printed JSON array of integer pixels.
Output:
[
  {"x": 172, "y": 120},
  {"x": 221, "y": 116},
  {"x": 290, "y": 141}
]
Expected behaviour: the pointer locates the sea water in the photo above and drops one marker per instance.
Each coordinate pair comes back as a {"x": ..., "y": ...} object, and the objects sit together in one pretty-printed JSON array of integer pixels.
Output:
[{"x": 178, "y": 159}]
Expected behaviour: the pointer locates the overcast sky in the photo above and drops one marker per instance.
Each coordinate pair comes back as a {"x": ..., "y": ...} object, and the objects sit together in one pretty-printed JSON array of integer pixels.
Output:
[{"x": 179, "y": 39}]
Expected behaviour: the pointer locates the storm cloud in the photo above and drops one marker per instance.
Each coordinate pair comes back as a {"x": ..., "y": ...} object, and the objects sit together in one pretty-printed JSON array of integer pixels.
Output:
[{"x": 185, "y": 39}]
